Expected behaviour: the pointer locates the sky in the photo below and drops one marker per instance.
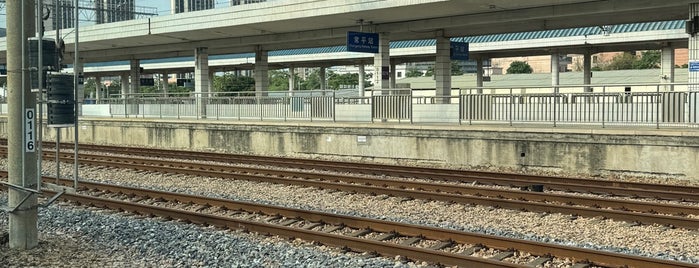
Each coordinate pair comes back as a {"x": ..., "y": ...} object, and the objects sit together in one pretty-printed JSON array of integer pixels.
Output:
[{"x": 163, "y": 7}]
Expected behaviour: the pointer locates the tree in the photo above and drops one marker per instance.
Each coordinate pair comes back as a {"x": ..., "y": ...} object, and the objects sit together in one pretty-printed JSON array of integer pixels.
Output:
[
  {"x": 519, "y": 67},
  {"x": 430, "y": 71},
  {"x": 456, "y": 68},
  {"x": 623, "y": 61},
  {"x": 335, "y": 81},
  {"x": 649, "y": 60},
  {"x": 233, "y": 83},
  {"x": 278, "y": 80},
  {"x": 89, "y": 86},
  {"x": 413, "y": 72},
  {"x": 312, "y": 81}
]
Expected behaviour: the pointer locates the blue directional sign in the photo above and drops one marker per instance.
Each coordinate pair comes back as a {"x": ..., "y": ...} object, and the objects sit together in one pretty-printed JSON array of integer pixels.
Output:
[
  {"x": 363, "y": 42},
  {"x": 459, "y": 51},
  {"x": 693, "y": 66}
]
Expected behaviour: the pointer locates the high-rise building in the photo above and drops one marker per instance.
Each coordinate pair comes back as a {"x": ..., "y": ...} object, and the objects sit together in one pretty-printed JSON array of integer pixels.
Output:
[
  {"x": 242, "y": 2},
  {"x": 181, "y": 6},
  {"x": 62, "y": 17},
  {"x": 114, "y": 10}
]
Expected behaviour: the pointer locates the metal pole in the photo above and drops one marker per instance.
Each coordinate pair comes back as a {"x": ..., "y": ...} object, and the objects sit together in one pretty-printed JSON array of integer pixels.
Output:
[
  {"x": 40, "y": 94},
  {"x": 23, "y": 221},
  {"x": 657, "y": 107},
  {"x": 58, "y": 151},
  {"x": 76, "y": 62},
  {"x": 604, "y": 105}
]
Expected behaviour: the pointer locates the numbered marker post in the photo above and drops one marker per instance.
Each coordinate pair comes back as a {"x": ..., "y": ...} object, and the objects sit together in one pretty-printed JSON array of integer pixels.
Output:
[{"x": 29, "y": 132}]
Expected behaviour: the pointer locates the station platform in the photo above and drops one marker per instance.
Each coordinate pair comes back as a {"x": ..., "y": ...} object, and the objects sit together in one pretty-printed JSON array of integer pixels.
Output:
[{"x": 560, "y": 150}]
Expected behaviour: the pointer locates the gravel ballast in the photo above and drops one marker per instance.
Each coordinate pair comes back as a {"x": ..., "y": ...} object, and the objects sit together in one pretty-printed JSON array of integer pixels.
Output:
[
  {"x": 79, "y": 237},
  {"x": 652, "y": 241}
]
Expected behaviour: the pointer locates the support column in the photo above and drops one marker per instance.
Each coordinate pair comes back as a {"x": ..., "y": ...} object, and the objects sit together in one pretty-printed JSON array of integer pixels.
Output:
[
  {"x": 693, "y": 77},
  {"x": 667, "y": 67},
  {"x": 125, "y": 85},
  {"x": 361, "y": 80},
  {"x": 382, "y": 62},
  {"x": 321, "y": 76},
  {"x": 479, "y": 75},
  {"x": 212, "y": 92},
  {"x": 392, "y": 80},
  {"x": 78, "y": 68},
  {"x": 261, "y": 71},
  {"x": 98, "y": 89},
  {"x": 442, "y": 69},
  {"x": 166, "y": 85},
  {"x": 201, "y": 79},
  {"x": 292, "y": 78},
  {"x": 555, "y": 80},
  {"x": 22, "y": 165},
  {"x": 587, "y": 70},
  {"x": 135, "y": 76}
]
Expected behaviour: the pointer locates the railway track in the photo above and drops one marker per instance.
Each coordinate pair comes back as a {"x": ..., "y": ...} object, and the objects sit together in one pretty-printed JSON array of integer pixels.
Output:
[
  {"x": 621, "y": 188},
  {"x": 626, "y": 210},
  {"x": 448, "y": 247}
]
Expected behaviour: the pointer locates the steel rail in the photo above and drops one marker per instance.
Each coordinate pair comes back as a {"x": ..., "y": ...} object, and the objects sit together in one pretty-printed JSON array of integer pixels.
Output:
[
  {"x": 658, "y": 194},
  {"x": 383, "y": 169},
  {"x": 498, "y": 201},
  {"x": 603, "y": 258}
]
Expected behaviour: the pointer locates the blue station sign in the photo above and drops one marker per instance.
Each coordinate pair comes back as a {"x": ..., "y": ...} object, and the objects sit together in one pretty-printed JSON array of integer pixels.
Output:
[
  {"x": 693, "y": 66},
  {"x": 459, "y": 51},
  {"x": 363, "y": 42}
]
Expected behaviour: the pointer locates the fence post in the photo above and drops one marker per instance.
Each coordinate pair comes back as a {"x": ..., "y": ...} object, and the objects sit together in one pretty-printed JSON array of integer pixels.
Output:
[
  {"x": 333, "y": 107},
  {"x": 461, "y": 106},
  {"x": 512, "y": 106},
  {"x": 604, "y": 105},
  {"x": 555, "y": 106},
  {"x": 410, "y": 102},
  {"x": 657, "y": 107}
]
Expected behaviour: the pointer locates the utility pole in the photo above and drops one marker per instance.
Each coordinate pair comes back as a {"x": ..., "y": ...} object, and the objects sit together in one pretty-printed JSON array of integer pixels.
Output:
[{"x": 22, "y": 164}]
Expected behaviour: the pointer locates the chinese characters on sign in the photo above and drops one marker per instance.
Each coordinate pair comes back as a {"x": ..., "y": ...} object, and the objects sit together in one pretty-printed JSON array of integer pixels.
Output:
[
  {"x": 693, "y": 66},
  {"x": 363, "y": 42},
  {"x": 459, "y": 51}
]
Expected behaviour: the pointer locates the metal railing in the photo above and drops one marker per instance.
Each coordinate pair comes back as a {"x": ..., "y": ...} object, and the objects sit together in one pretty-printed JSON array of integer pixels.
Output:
[
  {"x": 635, "y": 105},
  {"x": 306, "y": 105},
  {"x": 610, "y": 105}
]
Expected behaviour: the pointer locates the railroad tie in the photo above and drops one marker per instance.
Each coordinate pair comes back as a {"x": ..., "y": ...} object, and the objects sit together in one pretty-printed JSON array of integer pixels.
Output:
[
  {"x": 360, "y": 232},
  {"x": 273, "y": 218},
  {"x": 199, "y": 208},
  {"x": 332, "y": 228},
  {"x": 288, "y": 222},
  {"x": 441, "y": 245},
  {"x": 471, "y": 250},
  {"x": 411, "y": 241},
  {"x": 580, "y": 265},
  {"x": 502, "y": 255},
  {"x": 538, "y": 261},
  {"x": 385, "y": 236},
  {"x": 312, "y": 225},
  {"x": 4, "y": 238}
]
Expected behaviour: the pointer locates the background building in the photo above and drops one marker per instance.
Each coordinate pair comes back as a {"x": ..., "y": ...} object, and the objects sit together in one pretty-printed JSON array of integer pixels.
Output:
[
  {"x": 242, "y": 2},
  {"x": 61, "y": 18},
  {"x": 114, "y": 10},
  {"x": 181, "y": 6}
]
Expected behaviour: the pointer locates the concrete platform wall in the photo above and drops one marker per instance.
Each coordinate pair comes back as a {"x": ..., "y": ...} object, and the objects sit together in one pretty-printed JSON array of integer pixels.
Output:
[{"x": 601, "y": 152}]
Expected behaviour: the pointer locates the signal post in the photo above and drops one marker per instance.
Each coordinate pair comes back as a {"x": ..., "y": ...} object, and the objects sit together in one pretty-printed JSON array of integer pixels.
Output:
[{"x": 22, "y": 162}]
